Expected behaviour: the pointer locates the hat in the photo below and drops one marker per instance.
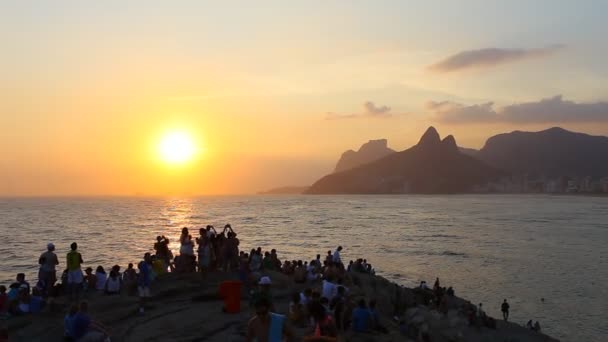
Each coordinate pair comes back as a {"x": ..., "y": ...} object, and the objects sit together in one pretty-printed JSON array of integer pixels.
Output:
[
  {"x": 265, "y": 281},
  {"x": 50, "y": 246}
]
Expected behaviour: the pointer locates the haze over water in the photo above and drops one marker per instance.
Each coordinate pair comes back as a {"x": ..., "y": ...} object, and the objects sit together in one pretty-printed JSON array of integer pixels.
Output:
[{"x": 487, "y": 247}]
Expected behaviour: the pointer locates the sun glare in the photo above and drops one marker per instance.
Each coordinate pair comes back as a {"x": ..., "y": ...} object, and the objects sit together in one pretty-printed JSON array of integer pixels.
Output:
[{"x": 177, "y": 148}]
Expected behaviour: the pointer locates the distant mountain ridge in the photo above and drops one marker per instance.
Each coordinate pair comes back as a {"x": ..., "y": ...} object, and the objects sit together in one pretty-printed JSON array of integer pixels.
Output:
[
  {"x": 285, "y": 190},
  {"x": 552, "y": 152},
  {"x": 368, "y": 152},
  {"x": 432, "y": 166}
]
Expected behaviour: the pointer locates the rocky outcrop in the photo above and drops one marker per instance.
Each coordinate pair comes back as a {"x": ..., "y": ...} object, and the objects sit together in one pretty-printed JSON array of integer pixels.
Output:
[
  {"x": 432, "y": 166},
  {"x": 368, "y": 152},
  {"x": 552, "y": 152},
  {"x": 183, "y": 309}
]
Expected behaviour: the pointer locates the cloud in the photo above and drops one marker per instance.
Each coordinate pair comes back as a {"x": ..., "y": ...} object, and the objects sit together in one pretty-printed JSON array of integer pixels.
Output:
[
  {"x": 370, "y": 110},
  {"x": 489, "y": 57},
  {"x": 549, "y": 110}
]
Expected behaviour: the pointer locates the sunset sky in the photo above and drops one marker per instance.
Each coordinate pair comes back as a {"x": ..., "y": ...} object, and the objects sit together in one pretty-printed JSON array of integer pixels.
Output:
[{"x": 272, "y": 92}]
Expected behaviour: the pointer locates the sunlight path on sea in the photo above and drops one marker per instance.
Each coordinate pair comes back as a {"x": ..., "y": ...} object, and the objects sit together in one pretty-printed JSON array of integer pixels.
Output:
[{"x": 488, "y": 247}]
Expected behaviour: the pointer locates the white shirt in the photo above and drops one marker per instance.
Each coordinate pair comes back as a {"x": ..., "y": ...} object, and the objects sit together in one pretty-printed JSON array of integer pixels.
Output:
[
  {"x": 101, "y": 281},
  {"x": 336, "y": 257},
  {"x": 303, "y": 299},
  {"x": 329, "y": 290},
  {"x": 113, "y": 284}
]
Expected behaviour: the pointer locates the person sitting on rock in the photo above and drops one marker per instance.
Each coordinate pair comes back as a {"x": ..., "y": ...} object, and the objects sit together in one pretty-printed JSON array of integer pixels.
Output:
[
  {"x": 266, "y": 325},
  {"x": 349, "y": 268},
  {"x": 255, "y": 260},
  {"x": 361, "y": 317},
  {"x": 267, "y": 263},
  {"x": 68, "y": 323},
  {"x": 324, "y": 327},
  {"x": 299, "y": 274},
  {"x": 129, "y": 279},
  {"x": 263, "y": 292},
  {"x": 113, "y": 283},
  {"x": 329, "y": 289},
  {"x": 37, "y": 303},
  {"x": 297, "y": 314},
  {"x": 90, "y": 279},
  {"x": 306, "y": 296},
  {"x": 275, "y": 259},
  {"x": 101, "y": 275},
  {"x": 375, "y": 318},
  {"x": 86, "y": 329},
  {"x": 329, "y": 258}
]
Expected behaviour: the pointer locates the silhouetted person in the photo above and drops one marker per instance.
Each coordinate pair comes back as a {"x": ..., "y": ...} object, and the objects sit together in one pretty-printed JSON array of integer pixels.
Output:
[
  {"x": 505, "y": 310},
  {"x": 75, "y": 277}
]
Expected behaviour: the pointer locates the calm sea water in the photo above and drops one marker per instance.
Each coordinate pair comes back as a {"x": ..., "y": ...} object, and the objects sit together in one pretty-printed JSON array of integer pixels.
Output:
[{"x": 488, "y": 247}]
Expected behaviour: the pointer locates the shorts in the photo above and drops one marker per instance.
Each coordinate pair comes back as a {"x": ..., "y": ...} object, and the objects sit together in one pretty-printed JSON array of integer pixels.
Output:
[
  {"x": 75, "y": 277},
  {"x": 48, "y": 278},
  {"x": 144, "y": 291}
]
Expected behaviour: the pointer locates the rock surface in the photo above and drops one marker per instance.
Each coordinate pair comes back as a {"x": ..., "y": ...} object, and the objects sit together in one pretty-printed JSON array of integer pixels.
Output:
[{"x": 182, "y": 309}]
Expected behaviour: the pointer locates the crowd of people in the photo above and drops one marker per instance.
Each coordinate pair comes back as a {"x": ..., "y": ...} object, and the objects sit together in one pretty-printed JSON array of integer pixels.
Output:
[{"x": 324, "y": 305}]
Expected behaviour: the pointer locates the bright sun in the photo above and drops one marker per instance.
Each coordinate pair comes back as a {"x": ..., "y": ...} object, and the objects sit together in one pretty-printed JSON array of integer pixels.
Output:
[{"x": 176, "y": 148}]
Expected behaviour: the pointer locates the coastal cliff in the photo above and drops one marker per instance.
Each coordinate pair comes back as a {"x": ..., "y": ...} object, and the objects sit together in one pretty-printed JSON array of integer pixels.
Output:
[{"x": 367, "y": 153}]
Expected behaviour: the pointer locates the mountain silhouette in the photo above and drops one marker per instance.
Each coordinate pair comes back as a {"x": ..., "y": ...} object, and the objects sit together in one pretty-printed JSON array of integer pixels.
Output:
[
  {"x": 431, "y": 166},
  {"x": 368, "y": 152},
  {"x": 552, "y": 152}
]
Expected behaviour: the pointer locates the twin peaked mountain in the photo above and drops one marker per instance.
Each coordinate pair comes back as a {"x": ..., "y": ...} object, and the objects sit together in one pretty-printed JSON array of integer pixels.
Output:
[
  {"x": 440, "y": 166},
  {"x": 431, "y": 166}
]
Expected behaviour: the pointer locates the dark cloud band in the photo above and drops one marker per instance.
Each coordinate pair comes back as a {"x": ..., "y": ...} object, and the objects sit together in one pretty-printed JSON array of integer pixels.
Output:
[
  {"x": 489, "y": 57},
  {"x": 549, "y": 110}
]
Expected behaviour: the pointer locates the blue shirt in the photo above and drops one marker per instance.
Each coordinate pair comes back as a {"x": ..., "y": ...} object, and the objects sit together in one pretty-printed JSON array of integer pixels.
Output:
[
  {"x": 68, "y": 323},
  {"x": 145, "y": 274},
  {"x": 81, "y": 325},
  {"x": 36, "y": 304},
  {"x": 361, "y": 319}
]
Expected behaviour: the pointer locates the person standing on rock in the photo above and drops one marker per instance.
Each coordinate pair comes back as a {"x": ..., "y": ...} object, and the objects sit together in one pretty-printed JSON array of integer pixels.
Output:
[
  {"x": 47, "y": 274},
  {"x": 75, "y": 277},
  {"x": 505, "y": 310},
  {"x": 336, "y": 256},
  {"x": 144, "y": 280}
]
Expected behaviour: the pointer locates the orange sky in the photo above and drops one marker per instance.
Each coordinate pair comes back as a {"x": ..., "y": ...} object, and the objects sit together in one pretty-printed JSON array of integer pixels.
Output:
[{"x": 86, "y": 93}]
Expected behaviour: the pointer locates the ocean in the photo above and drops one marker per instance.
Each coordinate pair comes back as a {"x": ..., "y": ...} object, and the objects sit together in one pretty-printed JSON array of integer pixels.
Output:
[{"x": 488, "y": 247}]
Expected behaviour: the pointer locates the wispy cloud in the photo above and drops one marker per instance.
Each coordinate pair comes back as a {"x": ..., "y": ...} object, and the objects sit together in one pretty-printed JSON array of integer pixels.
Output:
[
  {"x": 489, "y": 57},
  {"x": 370, "y": 110},
  {"x": 549, "y": 110}
]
